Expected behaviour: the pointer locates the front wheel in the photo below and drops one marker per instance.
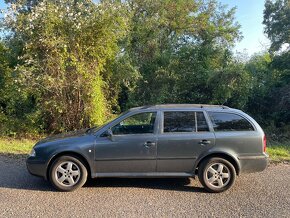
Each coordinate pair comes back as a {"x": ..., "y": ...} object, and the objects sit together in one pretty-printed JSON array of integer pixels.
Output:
[
  {"x": 216, "y": 174},
  {"x": 67, "y": 173}
]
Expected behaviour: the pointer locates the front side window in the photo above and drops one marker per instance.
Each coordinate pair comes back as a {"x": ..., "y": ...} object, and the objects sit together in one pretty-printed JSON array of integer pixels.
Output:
[
  {"x": 136, "y": 124},
  {"x": 184, "y": 121},
  {"x": 229, "y": 122}
]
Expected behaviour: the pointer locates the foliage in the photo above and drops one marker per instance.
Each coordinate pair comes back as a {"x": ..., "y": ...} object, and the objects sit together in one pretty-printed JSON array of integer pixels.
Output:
[
  {"x": 277, "y": 27},
  {"x": 179, "y": 47},
  {"x": 65, "y": 47},
  {"x": 277, "y": 23},
  {"x": 262, "y": 80},
  {"x": 69, "y": 64},
  {"x": 17, "y": 109}
]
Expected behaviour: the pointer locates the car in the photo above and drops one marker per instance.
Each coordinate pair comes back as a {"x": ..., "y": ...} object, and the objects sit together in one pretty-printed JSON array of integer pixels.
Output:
[{"x": 216, "y": 143}]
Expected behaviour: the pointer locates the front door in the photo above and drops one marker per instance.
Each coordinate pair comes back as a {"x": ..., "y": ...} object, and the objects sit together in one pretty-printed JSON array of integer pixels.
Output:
[
  {"x": 131, "y": 149},
  {"x": 184, "y": 136}
]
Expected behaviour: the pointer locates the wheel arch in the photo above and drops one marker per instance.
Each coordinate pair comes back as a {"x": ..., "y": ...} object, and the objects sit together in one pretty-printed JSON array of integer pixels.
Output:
[
  {"x": 68, "y": 153},
  {"x": 223, "y": 155}
]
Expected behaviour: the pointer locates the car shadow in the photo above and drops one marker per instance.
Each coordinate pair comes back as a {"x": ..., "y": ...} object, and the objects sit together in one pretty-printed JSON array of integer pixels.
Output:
[
  {"x": 14, "y": 175},
  {"x": 171, "y": 184}
]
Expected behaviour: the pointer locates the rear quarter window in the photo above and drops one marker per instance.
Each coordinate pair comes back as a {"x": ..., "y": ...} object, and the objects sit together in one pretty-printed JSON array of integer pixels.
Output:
[{"x": 229, "y": 122}]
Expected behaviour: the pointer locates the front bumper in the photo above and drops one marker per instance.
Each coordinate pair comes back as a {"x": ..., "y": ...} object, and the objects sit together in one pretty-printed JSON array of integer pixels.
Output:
[
  {"x": 250, "y": 164},
  {"x": 36, "y": 167}
]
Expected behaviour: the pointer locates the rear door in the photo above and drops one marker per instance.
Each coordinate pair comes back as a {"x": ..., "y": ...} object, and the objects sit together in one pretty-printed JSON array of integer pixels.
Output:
[{"x": 183, "y": 136}]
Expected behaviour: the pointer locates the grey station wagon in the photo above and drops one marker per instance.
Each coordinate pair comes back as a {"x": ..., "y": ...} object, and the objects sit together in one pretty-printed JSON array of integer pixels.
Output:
[{"x": 214, "y": 142}]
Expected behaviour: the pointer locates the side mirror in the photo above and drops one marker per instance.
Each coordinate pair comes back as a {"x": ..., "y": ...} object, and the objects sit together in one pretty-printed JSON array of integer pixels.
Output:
[{"x": 109, "y": 134}]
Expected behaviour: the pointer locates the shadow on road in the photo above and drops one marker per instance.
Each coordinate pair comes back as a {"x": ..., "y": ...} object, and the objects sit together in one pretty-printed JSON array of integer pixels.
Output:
[
  {"x": 174, "y": 184},
  {"x": 14, "y": 175}
]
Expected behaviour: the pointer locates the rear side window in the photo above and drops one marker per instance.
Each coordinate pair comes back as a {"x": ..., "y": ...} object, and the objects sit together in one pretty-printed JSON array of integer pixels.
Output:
[
  {"x": 184, "y": 121},
  {"x": 229, "y": 122}
]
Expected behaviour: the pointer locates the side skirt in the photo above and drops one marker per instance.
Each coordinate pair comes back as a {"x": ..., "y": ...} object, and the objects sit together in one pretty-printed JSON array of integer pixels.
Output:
[{"x": 143, "y": 175}]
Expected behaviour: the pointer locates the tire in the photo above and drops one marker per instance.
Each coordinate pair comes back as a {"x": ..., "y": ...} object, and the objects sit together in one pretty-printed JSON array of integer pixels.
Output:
[
  {"x": 216, "y": 174},
  {"x": 68, "y": 173}
]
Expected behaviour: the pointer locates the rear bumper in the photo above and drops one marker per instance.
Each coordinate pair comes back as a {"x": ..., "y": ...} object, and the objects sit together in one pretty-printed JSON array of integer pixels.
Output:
[
  {"x": 36, "y": 167},
  {"x": 250, "y": 164}
]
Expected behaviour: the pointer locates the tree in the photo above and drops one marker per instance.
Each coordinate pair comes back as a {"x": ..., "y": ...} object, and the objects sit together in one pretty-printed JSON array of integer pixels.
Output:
[
  {"x": 277, "y": 23},
  {"x": 66, "y": 45},
  {"x": 277, "y": 26},
  {"x": 17, "y": 108},
  {"x": 177, "y": 47},
  {"x": 4, "y": 72},
  {"x": 74, "y": 63},
  {"x": 262, "y": 80}
]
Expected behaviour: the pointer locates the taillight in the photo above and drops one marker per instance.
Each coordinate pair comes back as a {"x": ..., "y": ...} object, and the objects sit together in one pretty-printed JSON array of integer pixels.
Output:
[{"x": 265, "y": 143}]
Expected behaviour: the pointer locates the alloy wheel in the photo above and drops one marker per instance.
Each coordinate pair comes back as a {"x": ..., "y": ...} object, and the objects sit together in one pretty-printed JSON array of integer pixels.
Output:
[
  {"x": 218, "y": 175},
  {"x": 67, "y": 173}
]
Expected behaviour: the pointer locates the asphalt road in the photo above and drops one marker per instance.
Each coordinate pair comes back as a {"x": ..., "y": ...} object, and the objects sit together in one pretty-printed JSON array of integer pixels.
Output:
[{"x": 265, "y": 194}]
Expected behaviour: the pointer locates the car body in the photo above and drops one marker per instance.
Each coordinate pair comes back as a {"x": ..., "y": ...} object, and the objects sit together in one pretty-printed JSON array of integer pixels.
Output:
[{"x": 178, "y": 140}]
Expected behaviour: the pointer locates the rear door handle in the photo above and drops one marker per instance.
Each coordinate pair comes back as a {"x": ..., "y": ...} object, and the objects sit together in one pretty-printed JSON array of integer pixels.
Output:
[
  {"x": 204, "y": 142},
  {"x": 149, "y": 144}
]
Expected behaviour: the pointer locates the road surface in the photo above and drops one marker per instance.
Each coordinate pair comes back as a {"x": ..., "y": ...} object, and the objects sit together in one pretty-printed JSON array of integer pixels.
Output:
[{"x": 265, "y": 194}]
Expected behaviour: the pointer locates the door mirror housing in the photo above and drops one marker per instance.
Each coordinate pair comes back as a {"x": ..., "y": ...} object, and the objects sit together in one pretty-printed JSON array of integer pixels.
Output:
[{"x": 109, "y": 134}]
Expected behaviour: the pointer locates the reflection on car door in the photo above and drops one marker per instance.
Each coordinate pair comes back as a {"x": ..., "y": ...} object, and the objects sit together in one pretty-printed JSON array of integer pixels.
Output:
[
  {"x": 184, "y": 136},
  {"x": 131, "y": 149}
]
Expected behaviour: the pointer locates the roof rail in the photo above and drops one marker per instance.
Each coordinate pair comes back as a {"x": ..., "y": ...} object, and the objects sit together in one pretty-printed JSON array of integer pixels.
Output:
[
  {"x": 181, "y": 106},
  {"x": 212, "y": 105}
]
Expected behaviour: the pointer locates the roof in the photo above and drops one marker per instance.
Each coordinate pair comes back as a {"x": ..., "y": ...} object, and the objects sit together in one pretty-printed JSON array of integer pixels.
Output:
[{"x": 180, "y": 106}]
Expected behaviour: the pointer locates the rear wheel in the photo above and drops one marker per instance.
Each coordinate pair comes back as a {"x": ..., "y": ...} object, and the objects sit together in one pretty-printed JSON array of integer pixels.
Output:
[
  {"x": 68, "y": 173},
  {"x": 216, "y": 174}
]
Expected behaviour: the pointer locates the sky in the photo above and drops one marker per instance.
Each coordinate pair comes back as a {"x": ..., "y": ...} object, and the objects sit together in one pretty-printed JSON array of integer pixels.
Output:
[{"x": 249, "y": 14}]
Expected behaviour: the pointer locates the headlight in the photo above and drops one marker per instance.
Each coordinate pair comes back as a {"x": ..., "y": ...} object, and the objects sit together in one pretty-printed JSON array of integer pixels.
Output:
[{"x": 32, "y": 153}]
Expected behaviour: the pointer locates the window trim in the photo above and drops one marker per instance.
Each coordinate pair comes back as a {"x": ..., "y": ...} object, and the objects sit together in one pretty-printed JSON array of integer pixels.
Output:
[
  {"x": 235, "y": 113},
  {"x": 120, "y": 119},
  {"x": 210, "y": 129}
]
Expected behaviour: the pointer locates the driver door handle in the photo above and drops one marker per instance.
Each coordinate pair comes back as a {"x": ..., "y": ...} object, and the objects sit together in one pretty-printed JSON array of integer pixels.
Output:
[
  {"x": 204, "y": 142},
  {"x": 149, "y": 144}
]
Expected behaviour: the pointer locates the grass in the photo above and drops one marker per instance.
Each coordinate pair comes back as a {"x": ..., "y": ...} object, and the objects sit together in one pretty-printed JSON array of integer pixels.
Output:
[
  {"x": 278, "y": 152},
  {"x": 16, "y": 146}
]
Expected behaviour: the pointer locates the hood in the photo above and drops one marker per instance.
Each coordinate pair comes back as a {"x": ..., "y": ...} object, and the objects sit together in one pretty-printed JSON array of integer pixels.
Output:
[{"x": 66, "y": 135}]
